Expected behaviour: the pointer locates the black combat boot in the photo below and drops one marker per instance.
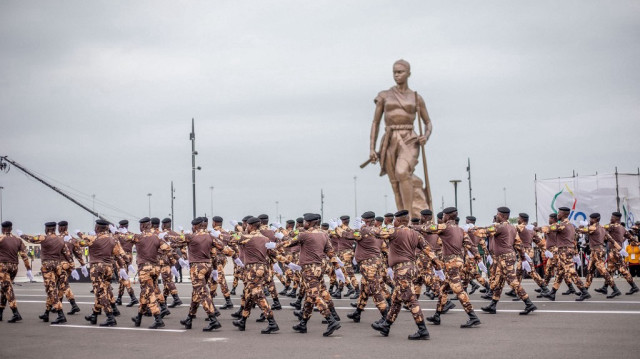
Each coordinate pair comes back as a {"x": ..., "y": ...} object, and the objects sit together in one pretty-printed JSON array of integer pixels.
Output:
[
  {"x": 429, "y": 294},
  {"x": 93, "y": 318},
  {"x": 491, "y": 308},
  {"x": 133, "y": 301},
  {"x": 354, "y": 304},
  {"x": 111, "y": 321},
  {"x": 337, "y": 294},
  {"x": 61, "y": 319},
  {"x": 1, "y": 311},
  {"x": 355, "y": 316},
  {"x": 543, "y": 289},
  {"x": 114, "y": 310},
  {"x": 472, "y": 322},
  {"x": 603, "y": 289},
  {"x": 571, "y": 290},
  {"x": 45, "y": 316},
  {"x": 213, "y": 324},
  {"x": 276, "y": 304},
  {"x": 187, "y": 322},
  {"x": 297, "y": 304},
  {"x": 158, "y": 323},
  {"x": 137, "y": 319},
  {"x": 350, "y": 291},
  {"x": 383, "y": 327},
  {"x": 511, "y": 293},
  {"x": 261, "y": 319},
  {"x": 634, "y": 289},
  {"x": 285, "y": 290},
  {"x": 434, "y": 319},
  {"x": 233, "y": 291},
  {"x": 240, "y": 323},
  {"x": 331, "y": 287},
  {"x": 147, "y": 313},
  {"x": 119, "y": 299},
  {"x": 530, "y": 307},
  {"x": 301, "y": 327},
  {"x": 334, "y": 313},
  {"x": 298, "y": 314},
  {"x": 487, "y": 295},
  {"x": 292, "y": 294},
  {"x": 584, "y": 294},
  {"x": 265, "y": 290},
  {"x": 448, "y": 305},
  {"x": 356, "y": 294},
  {"x": 176, "y": 301},
  {"x": 227, "y": 303},
  {"x": 164, "y": 311},
  {"x": 421, "y": 334},
  {"x": 216, "y": 312},
  {"x": 551, "y": 295},
  {"x": 272, "y": 327},
  {"x": 332, "y": 325},
  {"x": 16, "y": 316},
  {"x": 474, "y": 286},
  {"x": 616, "y": 292},
  {"x": 383, "y": 316},
  {"x": 238, "y": 313}
]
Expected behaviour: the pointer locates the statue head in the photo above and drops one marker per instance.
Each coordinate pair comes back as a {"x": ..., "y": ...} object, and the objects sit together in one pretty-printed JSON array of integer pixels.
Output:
[
  {"x": 401, "y": 71},
  {"x": 404, "y": 63}
]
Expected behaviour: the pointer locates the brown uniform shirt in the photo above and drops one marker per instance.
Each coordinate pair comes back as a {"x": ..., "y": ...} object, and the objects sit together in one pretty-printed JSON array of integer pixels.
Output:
[
  {"x": 503, "y": 239},
  {"x": 255, "y": 251},
  {"x": 566, "y": 234},
  {"x": 617, "y": 232},
  {"x": 148, "y": 246},
  {"x": 403, "y": 242},
  {"x": 369, "y": 244},
  {"x": 10, "y": 247},
  {"x": 52, "y": 247},
  {"x": 314, "y": 246},
  {"x": 344, "y": 238}
]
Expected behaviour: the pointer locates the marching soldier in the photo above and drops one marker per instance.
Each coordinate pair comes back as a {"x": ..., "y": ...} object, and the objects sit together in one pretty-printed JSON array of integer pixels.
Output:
[
  {"x": 527, "y": 238},
  {"x": 472, "y": 274},
  {"x": 168, "y": 269},
  {"x": 68, "y": 268},
  {"x": 616, "y": 257},
  {"x": 10, "y": 247},
  {"x": 597, "y": 261},
  {"x": 344, "y": 250},
  {"x": 221, "y": 263},
  {"x": 127, "y": 247}
]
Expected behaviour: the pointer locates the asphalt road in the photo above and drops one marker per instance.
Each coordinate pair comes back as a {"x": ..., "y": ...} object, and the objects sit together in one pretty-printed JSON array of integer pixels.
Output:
[{"x": 595, "y": 328}]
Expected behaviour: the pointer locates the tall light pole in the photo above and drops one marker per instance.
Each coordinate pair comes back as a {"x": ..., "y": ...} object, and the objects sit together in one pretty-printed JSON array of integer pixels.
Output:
[
  {"x": 211, "y": 188},
  {"x": 276, "y": 218},
  {"x": 93, "y": 205},
  {"x": 455, "y": 190},
  {"x": 355, "y": 195},
  {"x": 385, "y": 203},
  {"x": 149, "y": 195},
  {"x": 505, "y": 195},
  {"x": 1, "y": 188},
  {"x": 321, "y": 205},
  {"x": 173, "y": 191},
  {"x": 470, "y": 195},
  {"x": 194, "y": 153}
]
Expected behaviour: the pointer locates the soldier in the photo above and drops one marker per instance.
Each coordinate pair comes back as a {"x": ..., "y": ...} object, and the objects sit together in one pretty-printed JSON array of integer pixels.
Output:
[
  {"x": 528, "y": 237},
  {"x": 314, "y": 245},
  {"x": 270, "y": 285},
  {"x": 257, "y": 248},
  {"x": 148, "y": 247},
  {"x": 403, "y": 242},
  {"x": 221, "y": 263},
  {"x": 552, "y": 255},
  {"x": 566, "y": 251},
  {"x": 295, "y": 259},
  {"x": 597, "y": 238},
  {"x": 616, "y": 257},
  {"x": 168, "y": 269},
  {"x": 68, "y": 268},
  {"x": 53, "y": 252},
  {"x": 127, "y": 247},
  {"x": 103, "y": 248},
  {"x": 388, "y": 220},
  {"x": 10, "y": 247},
  {"x": 344, "y": 239},
  {"x": 288, "y": 273},
  {"x": 472, "y": 274},
  {"x": 237, "y": 270}
]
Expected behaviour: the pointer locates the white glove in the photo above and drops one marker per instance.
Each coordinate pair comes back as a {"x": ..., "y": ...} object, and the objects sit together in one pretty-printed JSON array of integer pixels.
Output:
[
  {"x": 340, "y": 275},
  {"x": 489, "y": 259},
  {"x": 390, "y": 272},
  {"x": 92, "y": 233},
  {"x": 440, "y": 274},
  {"x": 277, "y": 225},
  {"x": 123, "y": 230},
  {"x": 233, "y": 223},
  {"x": 19, "y": 232},
  {"x": 238, "y": 262},
  {"x": 112, "y": 229},
  {"x": 132, "y": 270},
  {"x": 526, "y": 266},
  {"x": 623, "y": 253},
  {"x": 529, "y": 227},
  {"x": 215, "y": 234},
  {"x": 625, "y": 243},
  {"x": 123, "y": 274},
  {"x": 162, "y": 235},
  {"x": 469, "y": 254},
  {"x": 340, "y": 262},
  {"x": 584, "y": 223},
  {"x": 354, "y": 261},
  {"x": 75, "y": 275},
  {"x": 470, "y": 225},
  {"x": 183, "y": 263},
  {"x": 187, "y": 232},
  {"x": 465, "y": 228},
  {"x": 270, "y": 245},
  {"x": 180, "y": 228},
  {"x": 76, "y": 232},
  {"x": 174, "y": 271},
  {"x": 548, "y": 254},
  {"x": 84, "y": 271},
  {"x": 527, "y": 257},
  {"x": 67, "y": 238},
  {"x": 279, "y": 235},
  {"x": 214, "y": 275},
  {"x": 482, "y": 267},
  {"x": 332, "y": 225},
  {"x": 30, "y": 275},
  {"x": 273, "y": 228},
  {"x": 294, "y": 267},
  {"x": 277, "y": 269}
]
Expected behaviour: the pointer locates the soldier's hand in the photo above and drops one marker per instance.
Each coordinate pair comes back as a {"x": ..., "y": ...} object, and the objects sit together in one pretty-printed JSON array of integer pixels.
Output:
[
  {"x": 373, "y": 156},
  {"x": 75, "y": 275},
  {"x": 84, "y": 270},
  {"x": 19, "y": 233}
]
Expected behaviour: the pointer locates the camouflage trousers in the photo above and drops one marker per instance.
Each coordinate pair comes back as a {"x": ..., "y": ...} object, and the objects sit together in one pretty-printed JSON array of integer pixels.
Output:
[
  {"x": 256, "y": 277},
  {"x": 126, "y": 284},
  {"x": 328, "y": 270},
  {"x": 6, "y": 286},
  {"x": 425, "y": 277},
  {"x": 51, "y": 271},
  {"x": 453, "y": 266},
  {"x": 269, "y": 282},
  {"x": 597, "y": 262},
  {"x": 533, "y": 274},
  {"x": 148, "y": 276},
  {"x": 65, "y": 288},
  {"x": 292, "y": 277},
  {"x": 237, "y": 274},
  {"x": 616, "y": 262},
  {"x": 371, "y": 284},
  {"x": 222, "y": 281},
  {"x": 552, "y": 268},
  {"x": 505, "y": 271},
  {"x": 169, "y": 287},
  {"x": 403, "y": 293},
  {"x": 101, "y": 274},
  {"x": 569, "y": 274},
  {"x": 470, "y": 272},
  {"x": 315, "y": 290},
  {"x": 200, "y": 274},
  {"x": 346, "y": 256}
]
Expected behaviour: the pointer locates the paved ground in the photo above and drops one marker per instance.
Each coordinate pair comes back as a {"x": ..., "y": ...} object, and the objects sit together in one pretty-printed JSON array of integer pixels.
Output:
[{"x": 564, "y": 328}]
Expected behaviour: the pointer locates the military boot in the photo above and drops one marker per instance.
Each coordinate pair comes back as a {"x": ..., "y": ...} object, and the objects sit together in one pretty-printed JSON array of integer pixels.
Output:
[
  {"x": 176, "y": 301},
  {"x": 474, "y": 286},
  {"x": 114, "y": 310},
  {"x": 45, "y": 316},
  {"x": 421, "y": 334},
  {"x": 332, "y": 325},
  {"x": 356, "y": 294},
  {"x": 238, "y": 313},
  {"x": 187, "y": 322},
  {"x": 434, "y": 319},
  {"x": 355, "y": 316},
  {"x": 1, "y": 311},
  {"x": 448, "y": 305},
  {"x": 111, "y": 321},
  {"x": 240, "y": 323},
  {"x": 119, "y": 299},
  {"x": 158, "y": 323},
  {"x": 61, "y": 319},
  {"x": 213, "y": 324},
  {"x": 383, "y": 327},
  {"x": 216, "y": 312},
  {"x": 571, "y": 290},
  {"x": 551, "y": 295},
  {"x": 276, "y": 304},
  {"x": 334, "y": 313},
  {"x": 529, "y": 307},
  {"x": 227, "y": 303},
  {"x": 298, "y": 314},
  {"x": 472, "y": 322},
  {"x": 137, "y": 320},
  {"x": 337, "y": 294},
  {"x": 616, "y": 292},
  {"x": 93, "y": 318},
  {"x": 634, "y": 289},
  {"x": 511, "y": 293},
  {"x": 133, "y": 301},
  {"x": 164, "y": 311},
  {"x": 16, "y": 316},
  {"x": 293, "y": 294},
  {"x": 491, "y": 308},
  {"x": 261, "y": 319},
  {"x": 602, "y": 290},
  {"x": 284, "y": 291},
  {"x": 272, "y": 327},
  {"x": 297, "y": 304},
  {"x": 350, "y": 291},
  {"x": 233, "y": 291},
  {"x": 301, "y": 327},
  {"x": 584, "y": 294}
]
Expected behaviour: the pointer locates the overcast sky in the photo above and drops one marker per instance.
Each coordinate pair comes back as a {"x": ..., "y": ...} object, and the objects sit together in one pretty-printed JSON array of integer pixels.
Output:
[{"x": 98, "y": 98}]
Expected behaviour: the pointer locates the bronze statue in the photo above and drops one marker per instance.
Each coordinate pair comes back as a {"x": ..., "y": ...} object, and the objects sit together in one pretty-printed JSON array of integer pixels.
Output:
[{"x": 400, "y": 144}]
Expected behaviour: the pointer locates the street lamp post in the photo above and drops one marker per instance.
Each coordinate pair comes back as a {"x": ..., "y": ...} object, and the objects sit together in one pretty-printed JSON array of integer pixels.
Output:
[
  {"x": 1, "y": 188},
  {"x": 455, "y": 190},
  {"x": 504, "y": 189},
  {"x": 355, "y": 195},
  {"x": 149, "y": 195},
  {"x": 385, "y": 203},
  {"x": 211, "y": 188}
]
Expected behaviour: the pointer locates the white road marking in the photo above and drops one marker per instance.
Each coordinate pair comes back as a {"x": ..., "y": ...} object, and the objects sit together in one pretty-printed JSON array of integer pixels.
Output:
[
  {"x": 119, "y": 328},
  {"x": 215, "y": 340}
]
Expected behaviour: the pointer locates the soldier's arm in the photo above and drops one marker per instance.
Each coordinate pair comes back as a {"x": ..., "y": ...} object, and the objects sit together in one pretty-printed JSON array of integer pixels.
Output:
[
  {"x": 426, "y": 249},
  {"x": 468, "y": 245},
  {"x": 85, "y": 240},
  {"x": 118, "y": 254},
  {"x": 67, "y": 254},
  {"x": 23, "y": 254},
  {"x": 331, "y": 254},
  {"x": 517, "y": 245},
  {"x": 33, "y": 239},
  {"x": 616, "y": 246},
  {"x": 77, "y": 252},
  {"x": 164, "y": 249}
]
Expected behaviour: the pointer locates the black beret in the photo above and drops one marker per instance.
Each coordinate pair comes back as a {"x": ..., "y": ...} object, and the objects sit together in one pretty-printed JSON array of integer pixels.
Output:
[
  {"x": 145, "y": 220},
  {"x": 450, "y": 210},
  {"x": 617, "y": 214},
  {"x": 290, "y": 221},
  {"x": 102, "y": 222},
  {"x": 380, "y": 219},
  {"x": 388, "y": 215},
  {"x": 524, "y": 215},
  {"x": 196, "y": 221},
  {"x": 504, "y": 210},
  {"x": 325, "y": 225},
  {"x": 166, "y": 220},
  {"x": 50, "y": 224},
  {"x": 471, "y": 218},
  {"x": 368, "y": 215},
  {"x": 299, "y": 219},
  {"x": 263, "y": 216},
  {"x": 246, "y": 218},
  {"x": 253, "y": 220},
  {"x": 415, "y": 220},
  {"x": 345, "y": 217},
  {"x": 310, "y": 217},
  {"x": 124, "y": 222},
  {"x": 63, "y": 223},
  {"x": 217, "y": 219},
  {"x": 7, "y": 224},
  {"x": 564, "y": 209},
  {"x": 594, "y": 215},
  {"x": 426, "y": 212},
  {"x": 205, "y": 219},
  {"x": 155, "y": 220},
  {"x": 553, "y": 215},
  {"x": 401, "y": 213},
  {"x": 440, "y": 215}
]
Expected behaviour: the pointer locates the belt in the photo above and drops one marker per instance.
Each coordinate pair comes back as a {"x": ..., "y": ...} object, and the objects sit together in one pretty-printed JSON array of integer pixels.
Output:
[
  {"x": 505, "y": 255},
  {"x": 369, "y": 260},
  {"x": 403, "y": 264},
  {"x": 451, "y": 256}
]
